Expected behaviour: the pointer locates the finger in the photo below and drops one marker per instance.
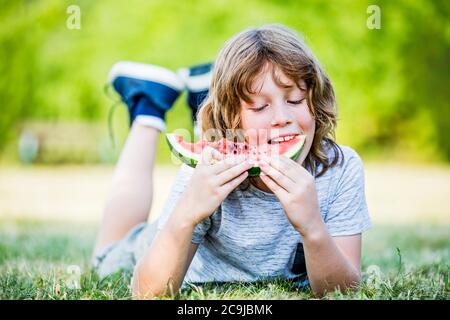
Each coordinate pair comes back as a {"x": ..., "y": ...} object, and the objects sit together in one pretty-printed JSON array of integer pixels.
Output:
[
  {"x": 231, "y": 185},
  {"x": 233, "y": 172},
  {"x": 228, "y": 163},
  {"x": 206, "y": 155},
  {"x": 216, "y": 155},
  {"x": 277, "y": 176},
  {"x": 284, "y": 165},
  {"x": 210, "y": 156},
  {"x": 272, "y": 185},
  {"x": 288, "y": 162},
  {"x": 296, "y": 170}
]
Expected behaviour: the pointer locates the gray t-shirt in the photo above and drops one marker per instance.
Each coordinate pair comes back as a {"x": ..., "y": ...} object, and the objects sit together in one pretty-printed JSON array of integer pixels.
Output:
[{"x": 249, "y": 238}]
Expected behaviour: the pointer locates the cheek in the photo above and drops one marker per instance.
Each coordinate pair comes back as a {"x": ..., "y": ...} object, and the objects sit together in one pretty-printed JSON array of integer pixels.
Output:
[
  {"x": 244, "y": 120},
  {"x": 251, "y": 121},
  {"x": 308, "y": 125},
  {"x": 256, "y": 127},
  {"x": 306, "y": 121}
]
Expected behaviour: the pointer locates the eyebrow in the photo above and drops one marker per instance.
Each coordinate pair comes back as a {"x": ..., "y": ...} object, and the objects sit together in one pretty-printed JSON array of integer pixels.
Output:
[{"x": 286, "y": 87}]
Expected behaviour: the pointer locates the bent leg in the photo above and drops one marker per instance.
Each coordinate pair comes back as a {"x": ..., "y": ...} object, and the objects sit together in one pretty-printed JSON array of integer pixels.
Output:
[{"x": 130, "y": 197}]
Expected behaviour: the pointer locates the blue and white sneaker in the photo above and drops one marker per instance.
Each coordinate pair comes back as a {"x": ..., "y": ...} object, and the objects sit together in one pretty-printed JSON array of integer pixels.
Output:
[
  {"x": 197, "y": 80},
  {"x": 148, "y": 91}
]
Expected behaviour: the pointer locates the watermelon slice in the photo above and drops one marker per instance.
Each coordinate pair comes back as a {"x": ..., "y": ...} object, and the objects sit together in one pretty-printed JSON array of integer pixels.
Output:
[{"x": 190, "y": 153}]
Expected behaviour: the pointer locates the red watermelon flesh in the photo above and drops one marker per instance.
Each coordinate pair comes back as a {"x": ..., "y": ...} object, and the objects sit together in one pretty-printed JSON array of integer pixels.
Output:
[{"x": 190, "y": 153}]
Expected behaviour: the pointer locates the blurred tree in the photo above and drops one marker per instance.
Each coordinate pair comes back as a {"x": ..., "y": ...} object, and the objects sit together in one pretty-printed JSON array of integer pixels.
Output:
[
  {"x": 392, "y": 83},
  {"x": 24, "y": 27}
]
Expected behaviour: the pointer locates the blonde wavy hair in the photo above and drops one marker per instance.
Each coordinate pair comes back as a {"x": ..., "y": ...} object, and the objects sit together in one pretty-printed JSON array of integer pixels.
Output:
[{"x": 242, "y": 59}]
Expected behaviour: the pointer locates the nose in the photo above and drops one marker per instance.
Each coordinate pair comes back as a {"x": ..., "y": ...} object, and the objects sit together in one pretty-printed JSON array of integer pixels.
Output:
[{"x": 281, "y": 116}]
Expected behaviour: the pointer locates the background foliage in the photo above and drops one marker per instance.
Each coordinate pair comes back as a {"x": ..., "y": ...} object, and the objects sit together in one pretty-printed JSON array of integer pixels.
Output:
[{"x": 392, "y": 84}]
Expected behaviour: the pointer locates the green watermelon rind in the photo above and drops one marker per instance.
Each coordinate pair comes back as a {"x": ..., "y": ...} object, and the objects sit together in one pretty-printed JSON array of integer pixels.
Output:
[
  {"x": 191, "y": 159},
  {"x": 186, "y": 157}
]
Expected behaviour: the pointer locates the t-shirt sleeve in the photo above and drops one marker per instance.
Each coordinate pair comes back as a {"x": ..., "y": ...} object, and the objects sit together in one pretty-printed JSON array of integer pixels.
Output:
[
  {"x": 180, "y": 184},
  {"x": 347, "y": 212}
]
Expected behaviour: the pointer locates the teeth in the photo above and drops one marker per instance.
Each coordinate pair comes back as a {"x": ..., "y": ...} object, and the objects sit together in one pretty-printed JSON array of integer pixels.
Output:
[{"x": 282, "y": 139}]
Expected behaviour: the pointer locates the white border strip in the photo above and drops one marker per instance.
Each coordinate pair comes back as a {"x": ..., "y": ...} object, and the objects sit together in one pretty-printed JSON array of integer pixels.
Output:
[
  {"x": 146, "y": 72},
  {"x": 195, "y": 83},
  {"x": 185, "y": 153}
]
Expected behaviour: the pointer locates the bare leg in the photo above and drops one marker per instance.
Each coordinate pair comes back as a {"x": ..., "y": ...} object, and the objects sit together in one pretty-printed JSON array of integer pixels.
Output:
[{"x": 131, "y": 193}]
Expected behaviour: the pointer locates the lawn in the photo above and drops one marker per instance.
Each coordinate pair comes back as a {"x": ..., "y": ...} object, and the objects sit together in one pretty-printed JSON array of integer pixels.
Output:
[
  {"x": 46, "y": 241},
  {"x": 43, "y": 260}
]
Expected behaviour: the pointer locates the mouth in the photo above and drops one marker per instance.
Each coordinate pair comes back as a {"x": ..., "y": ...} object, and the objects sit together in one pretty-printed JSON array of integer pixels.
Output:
[{"x": 282, "y": 138}]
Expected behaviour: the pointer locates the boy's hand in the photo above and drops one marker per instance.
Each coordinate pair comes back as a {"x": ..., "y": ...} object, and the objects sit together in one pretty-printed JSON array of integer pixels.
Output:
[
  {"x": 295, "y": 188},
  {"x": 213, "y": 179}
]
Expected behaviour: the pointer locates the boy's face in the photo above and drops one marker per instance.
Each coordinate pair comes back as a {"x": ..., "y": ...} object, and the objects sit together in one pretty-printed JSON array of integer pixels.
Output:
[{"x": 276, "y": 111}]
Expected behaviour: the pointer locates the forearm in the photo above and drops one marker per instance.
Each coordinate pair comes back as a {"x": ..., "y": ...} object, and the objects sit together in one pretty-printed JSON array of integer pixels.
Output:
[
  {"x": 164, "y": 264},
  {"x": 326, "y": 265}
]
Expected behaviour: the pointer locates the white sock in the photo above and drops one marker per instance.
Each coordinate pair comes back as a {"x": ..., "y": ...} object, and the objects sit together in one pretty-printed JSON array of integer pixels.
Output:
[{"x": 151, "y": 121}]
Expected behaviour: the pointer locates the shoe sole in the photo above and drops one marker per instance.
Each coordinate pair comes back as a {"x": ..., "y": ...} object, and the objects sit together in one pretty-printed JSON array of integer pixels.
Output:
[
  {"x": 146, "y": 72},
  {"x": 195, "y": 83}
]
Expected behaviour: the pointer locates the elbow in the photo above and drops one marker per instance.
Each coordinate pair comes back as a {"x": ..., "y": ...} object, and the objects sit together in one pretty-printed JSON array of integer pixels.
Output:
[
  {"x": 353, "y": 282},
  {"x": 350, "y": 284},
  {"x": 147, "y": 285},
  {"x": 139, "y": 286}
]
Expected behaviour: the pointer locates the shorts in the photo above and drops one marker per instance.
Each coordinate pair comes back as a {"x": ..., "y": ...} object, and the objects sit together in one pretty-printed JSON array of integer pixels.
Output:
[{"x": 123, "y": 254}]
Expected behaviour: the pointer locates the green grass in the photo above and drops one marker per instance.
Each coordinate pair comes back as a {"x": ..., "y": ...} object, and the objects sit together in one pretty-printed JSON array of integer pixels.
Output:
[{"x": 413, "y": 263}]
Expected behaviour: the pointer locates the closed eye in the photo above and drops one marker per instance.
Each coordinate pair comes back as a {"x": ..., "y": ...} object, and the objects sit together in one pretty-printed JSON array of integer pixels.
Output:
[
  {"x": 259, "y": 108},
  {"x": 296, "y": 101}
]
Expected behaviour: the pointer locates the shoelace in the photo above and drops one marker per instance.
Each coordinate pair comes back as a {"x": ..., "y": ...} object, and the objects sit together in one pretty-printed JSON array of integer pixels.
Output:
[
  {"x": 111, "y": 111},
  {"x": 112, "y": 108}
]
